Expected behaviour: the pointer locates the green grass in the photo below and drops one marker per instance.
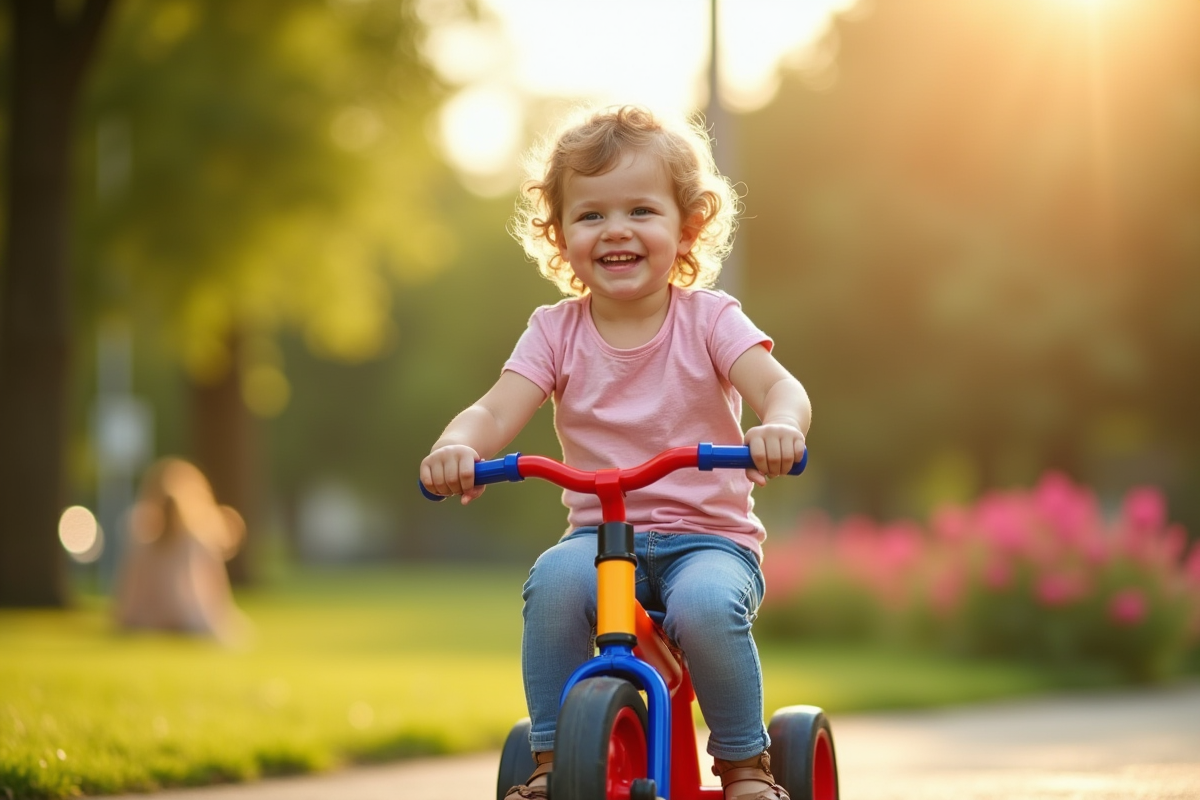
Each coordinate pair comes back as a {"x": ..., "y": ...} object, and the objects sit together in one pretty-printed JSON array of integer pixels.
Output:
[
  {"x": 847, "y": 677},
  {"x": 350, "y": 666}
]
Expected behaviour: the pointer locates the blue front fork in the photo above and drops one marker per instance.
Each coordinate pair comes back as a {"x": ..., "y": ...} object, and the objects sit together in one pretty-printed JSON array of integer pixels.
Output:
[{"x": 618, "y": 660}]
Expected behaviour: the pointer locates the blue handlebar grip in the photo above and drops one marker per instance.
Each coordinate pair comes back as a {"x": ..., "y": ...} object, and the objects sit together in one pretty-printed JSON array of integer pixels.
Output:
[
  {"x": 736, "y": 456},
  {"x": 437, "y": 498},
  {"x": 497, "y": 470}
]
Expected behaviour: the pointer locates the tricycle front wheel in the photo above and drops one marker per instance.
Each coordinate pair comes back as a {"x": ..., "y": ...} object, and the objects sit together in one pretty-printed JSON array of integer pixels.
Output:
[{"x": 600, "y": 748}]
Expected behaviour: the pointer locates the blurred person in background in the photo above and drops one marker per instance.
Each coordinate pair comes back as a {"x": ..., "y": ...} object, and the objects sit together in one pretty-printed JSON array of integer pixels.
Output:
[{"x": 173, "y": 574}]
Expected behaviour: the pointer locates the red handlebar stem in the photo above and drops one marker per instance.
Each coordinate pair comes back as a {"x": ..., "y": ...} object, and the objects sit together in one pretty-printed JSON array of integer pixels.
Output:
[{"x": 611, "y": 494}]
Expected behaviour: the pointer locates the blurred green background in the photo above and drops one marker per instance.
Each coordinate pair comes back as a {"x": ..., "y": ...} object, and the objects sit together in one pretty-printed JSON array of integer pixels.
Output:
[
  {"x": 972, "y": 228},
  {"x": 270, "y": 237}
]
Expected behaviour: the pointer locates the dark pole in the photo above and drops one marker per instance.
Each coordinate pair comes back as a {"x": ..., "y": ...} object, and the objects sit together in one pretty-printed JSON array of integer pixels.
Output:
[{"x": 720, "y": 126}]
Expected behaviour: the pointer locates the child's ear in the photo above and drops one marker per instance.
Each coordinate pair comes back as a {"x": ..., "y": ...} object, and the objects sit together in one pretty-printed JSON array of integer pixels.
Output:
[
  {"x": 690, "y": 232},
  {"x": 559, "y": 241}
]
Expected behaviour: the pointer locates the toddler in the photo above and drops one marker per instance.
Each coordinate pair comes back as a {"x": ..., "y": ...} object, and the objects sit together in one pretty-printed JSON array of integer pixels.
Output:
[{"x": 626, "y": 213}]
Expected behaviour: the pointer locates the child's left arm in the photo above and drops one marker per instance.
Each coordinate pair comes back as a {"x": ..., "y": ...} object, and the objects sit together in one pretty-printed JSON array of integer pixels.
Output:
[{"x": 782, "y": 407}]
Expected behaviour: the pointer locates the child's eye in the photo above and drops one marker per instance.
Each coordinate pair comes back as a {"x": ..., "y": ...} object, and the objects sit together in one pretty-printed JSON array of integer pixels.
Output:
[
  {"x": 641, "y": 212},
  {"x": 590, "y": 216}
]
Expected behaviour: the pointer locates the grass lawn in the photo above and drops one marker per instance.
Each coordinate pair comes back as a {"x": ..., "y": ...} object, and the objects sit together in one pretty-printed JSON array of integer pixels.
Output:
[{"x": 351, "y": 666}]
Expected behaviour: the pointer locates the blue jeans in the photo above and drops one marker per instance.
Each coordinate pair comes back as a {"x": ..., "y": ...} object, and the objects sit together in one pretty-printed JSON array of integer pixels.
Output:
[{"x": 709, "y": 589}]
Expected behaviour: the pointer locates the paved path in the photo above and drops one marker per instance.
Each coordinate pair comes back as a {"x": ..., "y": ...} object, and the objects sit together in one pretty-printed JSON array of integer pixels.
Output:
[{"x": 1142, "y": 745}]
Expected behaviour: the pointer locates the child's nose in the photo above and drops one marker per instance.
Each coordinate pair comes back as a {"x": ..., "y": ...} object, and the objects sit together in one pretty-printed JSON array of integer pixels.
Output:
[{"x": 616, "y": 230}]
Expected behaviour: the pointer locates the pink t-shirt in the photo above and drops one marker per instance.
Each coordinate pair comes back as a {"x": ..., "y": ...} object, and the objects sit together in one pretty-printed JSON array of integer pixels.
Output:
[{"x": 619, "y": 408}]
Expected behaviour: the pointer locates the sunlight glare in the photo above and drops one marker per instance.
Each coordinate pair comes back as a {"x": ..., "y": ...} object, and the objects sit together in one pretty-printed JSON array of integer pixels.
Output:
[
  {"x": 481, "y": 129},
  {"x": 754, "y": 52},
  {"x": 517, "y": 54},
  {"x": 633, "y": 52},
  {"x": 1091, "y": 7},
  {"x": 463, "y": 53}
]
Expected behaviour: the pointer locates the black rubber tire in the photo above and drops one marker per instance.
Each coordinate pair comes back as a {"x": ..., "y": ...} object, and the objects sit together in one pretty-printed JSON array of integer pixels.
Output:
[
  {"x": 803, "y": 759},
  {"x": 602, "y": 719},
  {"x": 516, "y": 761}
]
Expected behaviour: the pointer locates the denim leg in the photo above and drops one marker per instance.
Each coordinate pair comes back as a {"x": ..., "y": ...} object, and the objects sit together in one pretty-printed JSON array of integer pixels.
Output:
[
  {"x": 711, "y": 590},
  {"x": 560, "y": 620}
]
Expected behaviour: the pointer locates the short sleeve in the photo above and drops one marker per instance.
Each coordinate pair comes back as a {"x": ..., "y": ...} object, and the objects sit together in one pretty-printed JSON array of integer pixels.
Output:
[
  {"x": 732, "y": 334},
  {"x": 533, "y": 356}
]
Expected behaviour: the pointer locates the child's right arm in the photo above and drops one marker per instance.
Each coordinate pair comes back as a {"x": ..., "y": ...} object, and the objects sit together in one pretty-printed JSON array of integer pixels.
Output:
[{"x": 480, "y": 431}]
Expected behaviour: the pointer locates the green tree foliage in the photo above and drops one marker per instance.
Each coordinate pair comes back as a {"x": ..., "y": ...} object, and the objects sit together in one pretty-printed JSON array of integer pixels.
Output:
[
  {"x": 976, "y": 234},
  {"x": 243, "y": 169},
  {"x": 368, "y": 426},
  {"x": 258, "y": 166}
]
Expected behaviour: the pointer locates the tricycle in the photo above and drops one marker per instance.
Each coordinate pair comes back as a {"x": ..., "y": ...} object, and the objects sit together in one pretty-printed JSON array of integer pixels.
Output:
[{"x": 625, "y": 726}]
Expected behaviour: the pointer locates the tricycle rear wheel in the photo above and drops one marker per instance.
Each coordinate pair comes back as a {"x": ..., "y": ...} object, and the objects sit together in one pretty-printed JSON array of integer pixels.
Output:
[
  {"x": 516, "y": 760},
  {"x": 802, "y": 756}
]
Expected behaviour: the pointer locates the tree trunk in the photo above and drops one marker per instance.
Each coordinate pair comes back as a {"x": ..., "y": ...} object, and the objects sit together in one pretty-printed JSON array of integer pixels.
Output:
[
  {"x": 225, "y": 446},
  {"x": 49, "y": 54}
]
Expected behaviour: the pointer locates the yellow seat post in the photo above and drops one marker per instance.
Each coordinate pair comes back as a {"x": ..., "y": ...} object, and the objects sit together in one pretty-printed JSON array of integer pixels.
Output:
[{"x": 616, "y": 566}]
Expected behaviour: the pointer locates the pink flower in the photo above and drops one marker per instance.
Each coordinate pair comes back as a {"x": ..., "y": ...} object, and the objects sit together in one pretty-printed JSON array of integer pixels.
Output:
[
  {"x": 796, "y": 555},
  {"x": 951, "y": 523},
  {"x": 1069, "y": 510},
  {"x": 1174, "y": 542},
  {"x": 857, "y": 547},
  {"x": 1191, "y": 567},
  {"x": 997, "y": 574},
  {"x": 784, "y": 572},
  {"x": 946, "y": 590},
  {"x": 1004, "y": 519},
  {"x": 1145, "y": 509},
  {"x": 1053, "y": 491},
  {"x": 1059, "y": 589},
  {"x": 899, "y": 545},
  {"x": 1127, "y": 607},
  {"x": 1096, "y": 550}
]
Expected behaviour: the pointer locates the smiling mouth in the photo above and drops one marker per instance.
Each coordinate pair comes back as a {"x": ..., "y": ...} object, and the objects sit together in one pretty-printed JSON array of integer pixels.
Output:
[{"x": 618, "y": 260}]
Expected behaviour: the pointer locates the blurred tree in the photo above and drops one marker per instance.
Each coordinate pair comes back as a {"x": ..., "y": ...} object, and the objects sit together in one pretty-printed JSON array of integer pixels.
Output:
[
  {"x": 243, "y": 169},
  {"x": 51, "y": 47},
  {"x": 973, "y": 228},
  {"x": 257, "y": 167}
]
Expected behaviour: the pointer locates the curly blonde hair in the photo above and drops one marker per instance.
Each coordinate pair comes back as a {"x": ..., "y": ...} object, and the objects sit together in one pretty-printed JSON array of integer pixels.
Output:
[{"x": 590, "y": 143}]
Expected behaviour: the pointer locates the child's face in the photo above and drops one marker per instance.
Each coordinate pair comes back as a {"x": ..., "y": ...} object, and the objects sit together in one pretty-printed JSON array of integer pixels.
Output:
[{"x": 622, "y": 230}]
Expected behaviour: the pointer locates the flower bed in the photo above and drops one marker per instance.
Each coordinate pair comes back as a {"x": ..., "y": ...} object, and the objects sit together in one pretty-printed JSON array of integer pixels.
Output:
[{"x": 1034, "y": 574}]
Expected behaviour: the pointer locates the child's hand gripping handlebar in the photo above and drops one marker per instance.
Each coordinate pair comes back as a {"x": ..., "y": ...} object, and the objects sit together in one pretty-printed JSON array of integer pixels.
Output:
[{"x": 516, "y": 467}]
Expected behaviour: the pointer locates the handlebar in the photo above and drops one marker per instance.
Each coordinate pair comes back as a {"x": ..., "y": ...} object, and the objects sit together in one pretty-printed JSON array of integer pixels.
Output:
[{"x": 517, "y": 467}]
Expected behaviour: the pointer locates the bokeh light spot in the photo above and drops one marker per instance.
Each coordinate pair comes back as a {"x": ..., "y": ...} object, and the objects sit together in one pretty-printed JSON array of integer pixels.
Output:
[{"x": 80, "y": 534}]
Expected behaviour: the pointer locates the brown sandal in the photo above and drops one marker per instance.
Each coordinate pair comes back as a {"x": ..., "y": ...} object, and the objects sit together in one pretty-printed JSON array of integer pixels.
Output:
[
  {"x": 757, "y": 768},
  {"x": 545, "y": 764}
]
